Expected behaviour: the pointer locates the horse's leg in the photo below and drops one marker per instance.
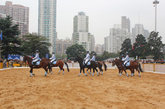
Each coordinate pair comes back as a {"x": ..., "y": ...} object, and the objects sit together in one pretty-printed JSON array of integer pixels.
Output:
[
  {"x": 120, "y": 72},
  {"x": 87, "y": 70},
  {"x": 138, "y": 72},
  {"x": 101, "y": 70},
  {"x": 96, "y": 71},
  {"x": 46, "y": 70},
  {"x": 84, "y": 72},
  {"x": 80, "y": 72},
  {"x": 132, "y": 72},
  {"x": 59, "y": 70},
  {"x": 31, "y": 71},
  {"x": 90, "y": 71},
  {"x": 93, "y": 72},
  {"x": 63, "y": 71},
  {"x": 126, "y": 73}
]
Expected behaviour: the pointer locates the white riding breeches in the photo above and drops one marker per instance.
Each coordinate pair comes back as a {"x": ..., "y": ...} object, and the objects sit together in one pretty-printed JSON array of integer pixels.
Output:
[{"x": 52, "y": 60}]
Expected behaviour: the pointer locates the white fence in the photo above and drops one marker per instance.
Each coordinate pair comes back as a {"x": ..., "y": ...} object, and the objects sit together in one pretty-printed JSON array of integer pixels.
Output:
[{"x": 155, "y": 68}]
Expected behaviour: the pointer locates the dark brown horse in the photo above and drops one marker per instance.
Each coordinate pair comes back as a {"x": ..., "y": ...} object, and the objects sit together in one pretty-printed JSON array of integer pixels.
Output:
[
  {"x": 99, "y": 65},
  {"x": 60, "y": 64},
  {"x": 82, "y": 66},
  {"x": 134, "y": 65},
  {"x": 44, "y": 63}
]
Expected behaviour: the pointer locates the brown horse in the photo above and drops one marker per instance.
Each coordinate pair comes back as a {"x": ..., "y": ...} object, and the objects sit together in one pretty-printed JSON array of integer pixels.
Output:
[
  {"x": 134, "y": 65},
  {"x": 44, "y": 63},
  {"x": 59, "y": 64},
  {"x": 99, "y": 64}
]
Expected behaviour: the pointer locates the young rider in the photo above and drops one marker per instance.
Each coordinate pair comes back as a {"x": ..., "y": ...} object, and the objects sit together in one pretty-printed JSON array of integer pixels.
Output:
[
  {"x": 53, "y": 58},
  {"x": 36, "y": 58},
  {"x": 87, "y": 58}
]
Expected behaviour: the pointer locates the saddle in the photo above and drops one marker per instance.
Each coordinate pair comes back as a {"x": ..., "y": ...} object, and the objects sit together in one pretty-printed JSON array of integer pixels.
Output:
[
  {"x": 88, "y": 63},
  {"x": 36, "y": 63},
  {"x": 54, "y": 62},
  {"x": 127, "y": 64}
]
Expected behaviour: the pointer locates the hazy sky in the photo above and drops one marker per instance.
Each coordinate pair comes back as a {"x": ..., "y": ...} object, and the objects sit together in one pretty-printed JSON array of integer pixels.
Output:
[{"x": 103, "y": 14}]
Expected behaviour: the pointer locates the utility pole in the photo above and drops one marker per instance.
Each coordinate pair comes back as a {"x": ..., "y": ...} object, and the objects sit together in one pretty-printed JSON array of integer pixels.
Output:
[{"x": 156, "y": 2}]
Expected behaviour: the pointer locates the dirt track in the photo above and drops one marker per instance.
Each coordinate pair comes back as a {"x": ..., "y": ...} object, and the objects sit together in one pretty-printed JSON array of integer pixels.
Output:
[{"x": 19, "y": 91}]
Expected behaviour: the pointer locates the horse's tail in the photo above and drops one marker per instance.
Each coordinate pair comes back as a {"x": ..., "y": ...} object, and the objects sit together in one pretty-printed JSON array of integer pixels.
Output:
[
  {"x": 140, "y": 68},
  {"x": 105, "y": 66},
  {"x": 67, "y": 66}
]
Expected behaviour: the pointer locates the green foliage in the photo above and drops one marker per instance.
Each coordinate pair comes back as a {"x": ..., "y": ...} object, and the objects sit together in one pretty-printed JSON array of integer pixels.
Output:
[
  {"x": 75, "y": 50},
  {"x": 126, "y": 47},
  {"x": 155, "y": 44},
  {"x": 33, "y": 42},
  {"x": 106, "y": 55},
  {"x": 140, "y": 47},
  {"x": 11, "y": 42}
]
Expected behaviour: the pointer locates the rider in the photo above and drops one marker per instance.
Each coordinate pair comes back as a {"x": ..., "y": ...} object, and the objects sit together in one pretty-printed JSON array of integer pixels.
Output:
[
  {"x": 87, "y": 58},
  {"x": 36, "y": 58},
  {"x": 53, "y": 58},
  {"x": 93, "y": 57},
  {"x": 126, "y": 59}
]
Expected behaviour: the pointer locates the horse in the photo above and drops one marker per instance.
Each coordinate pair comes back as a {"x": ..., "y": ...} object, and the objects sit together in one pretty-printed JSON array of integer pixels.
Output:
[
  {"x": 133, "y": 65},
  {"x": 82, "y": 66},
  {"x": 59, "y": 63},
  {"x": 44, "y": 63},
  {"x": 99, "y": 65}
]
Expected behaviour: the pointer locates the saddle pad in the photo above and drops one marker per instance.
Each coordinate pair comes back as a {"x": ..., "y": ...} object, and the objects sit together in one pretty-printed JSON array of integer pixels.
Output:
[
  {"x": 38, "y": 63},
  {"x": 89, "y": 63},
  {"x": 54, "y": 62},
  {"x": 128, "y": 64}
]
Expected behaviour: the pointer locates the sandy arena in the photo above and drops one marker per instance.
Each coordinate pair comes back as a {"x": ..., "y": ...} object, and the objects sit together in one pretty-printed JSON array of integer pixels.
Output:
[{"x": 57, "y": 91}]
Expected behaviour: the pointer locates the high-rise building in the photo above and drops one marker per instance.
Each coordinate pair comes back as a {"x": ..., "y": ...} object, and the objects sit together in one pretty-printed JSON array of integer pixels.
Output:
[
  {"x": 99, "y": 49},
  {"x": 113, "y": 42},
  {"x": 125, "y": 23},
  {"x": 19, "y": 14},
  {"x": 139, "y": 29},
  {"x": 47, "y": 21},
  {"x": 62, "y": 45},
  {"x": 80, "y": 32}
]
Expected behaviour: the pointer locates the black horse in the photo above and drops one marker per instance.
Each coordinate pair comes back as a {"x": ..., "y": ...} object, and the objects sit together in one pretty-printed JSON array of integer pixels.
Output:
[
  {"x": 82, "y": 66},
  {"x": 99, "y": 65}
]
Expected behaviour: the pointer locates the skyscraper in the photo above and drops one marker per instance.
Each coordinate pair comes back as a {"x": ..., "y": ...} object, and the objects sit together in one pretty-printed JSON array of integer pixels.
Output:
[
  {"x": 47, "y": 21},
  {"x": 139, "y": 29},
  {"x": 80, "y": 32},
  {"x": 125, "y": 23},
  {"x": 19, "y": 14}
]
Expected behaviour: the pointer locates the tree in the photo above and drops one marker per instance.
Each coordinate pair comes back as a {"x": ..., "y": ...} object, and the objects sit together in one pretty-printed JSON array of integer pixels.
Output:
[
  {"x": 11, "y": 42},
  {"x": 75, "y": 50},
  {"x": 140, "y": 47},
  {"x": 33, "y": 42},
  {"x": 126, "y": 47},
  {"x": 155, "y": 44}
]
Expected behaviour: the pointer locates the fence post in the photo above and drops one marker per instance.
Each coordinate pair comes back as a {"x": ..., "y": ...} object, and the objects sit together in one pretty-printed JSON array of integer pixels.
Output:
[{"x": 154, "y": 67}]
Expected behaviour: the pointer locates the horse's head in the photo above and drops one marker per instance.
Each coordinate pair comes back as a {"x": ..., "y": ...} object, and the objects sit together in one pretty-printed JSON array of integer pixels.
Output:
[
  {"x": 116, "y": 62},
  {"x": 78, "y": 58},
  {"x": 27, "y": 58}
]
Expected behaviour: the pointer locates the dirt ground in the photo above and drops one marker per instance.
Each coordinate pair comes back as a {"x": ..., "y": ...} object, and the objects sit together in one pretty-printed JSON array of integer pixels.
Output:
[{"x": 57, "y": 91}]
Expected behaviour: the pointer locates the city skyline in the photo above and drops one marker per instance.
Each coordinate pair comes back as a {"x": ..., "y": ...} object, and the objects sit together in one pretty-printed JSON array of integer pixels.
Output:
[{"x": 103, "y": 14}]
